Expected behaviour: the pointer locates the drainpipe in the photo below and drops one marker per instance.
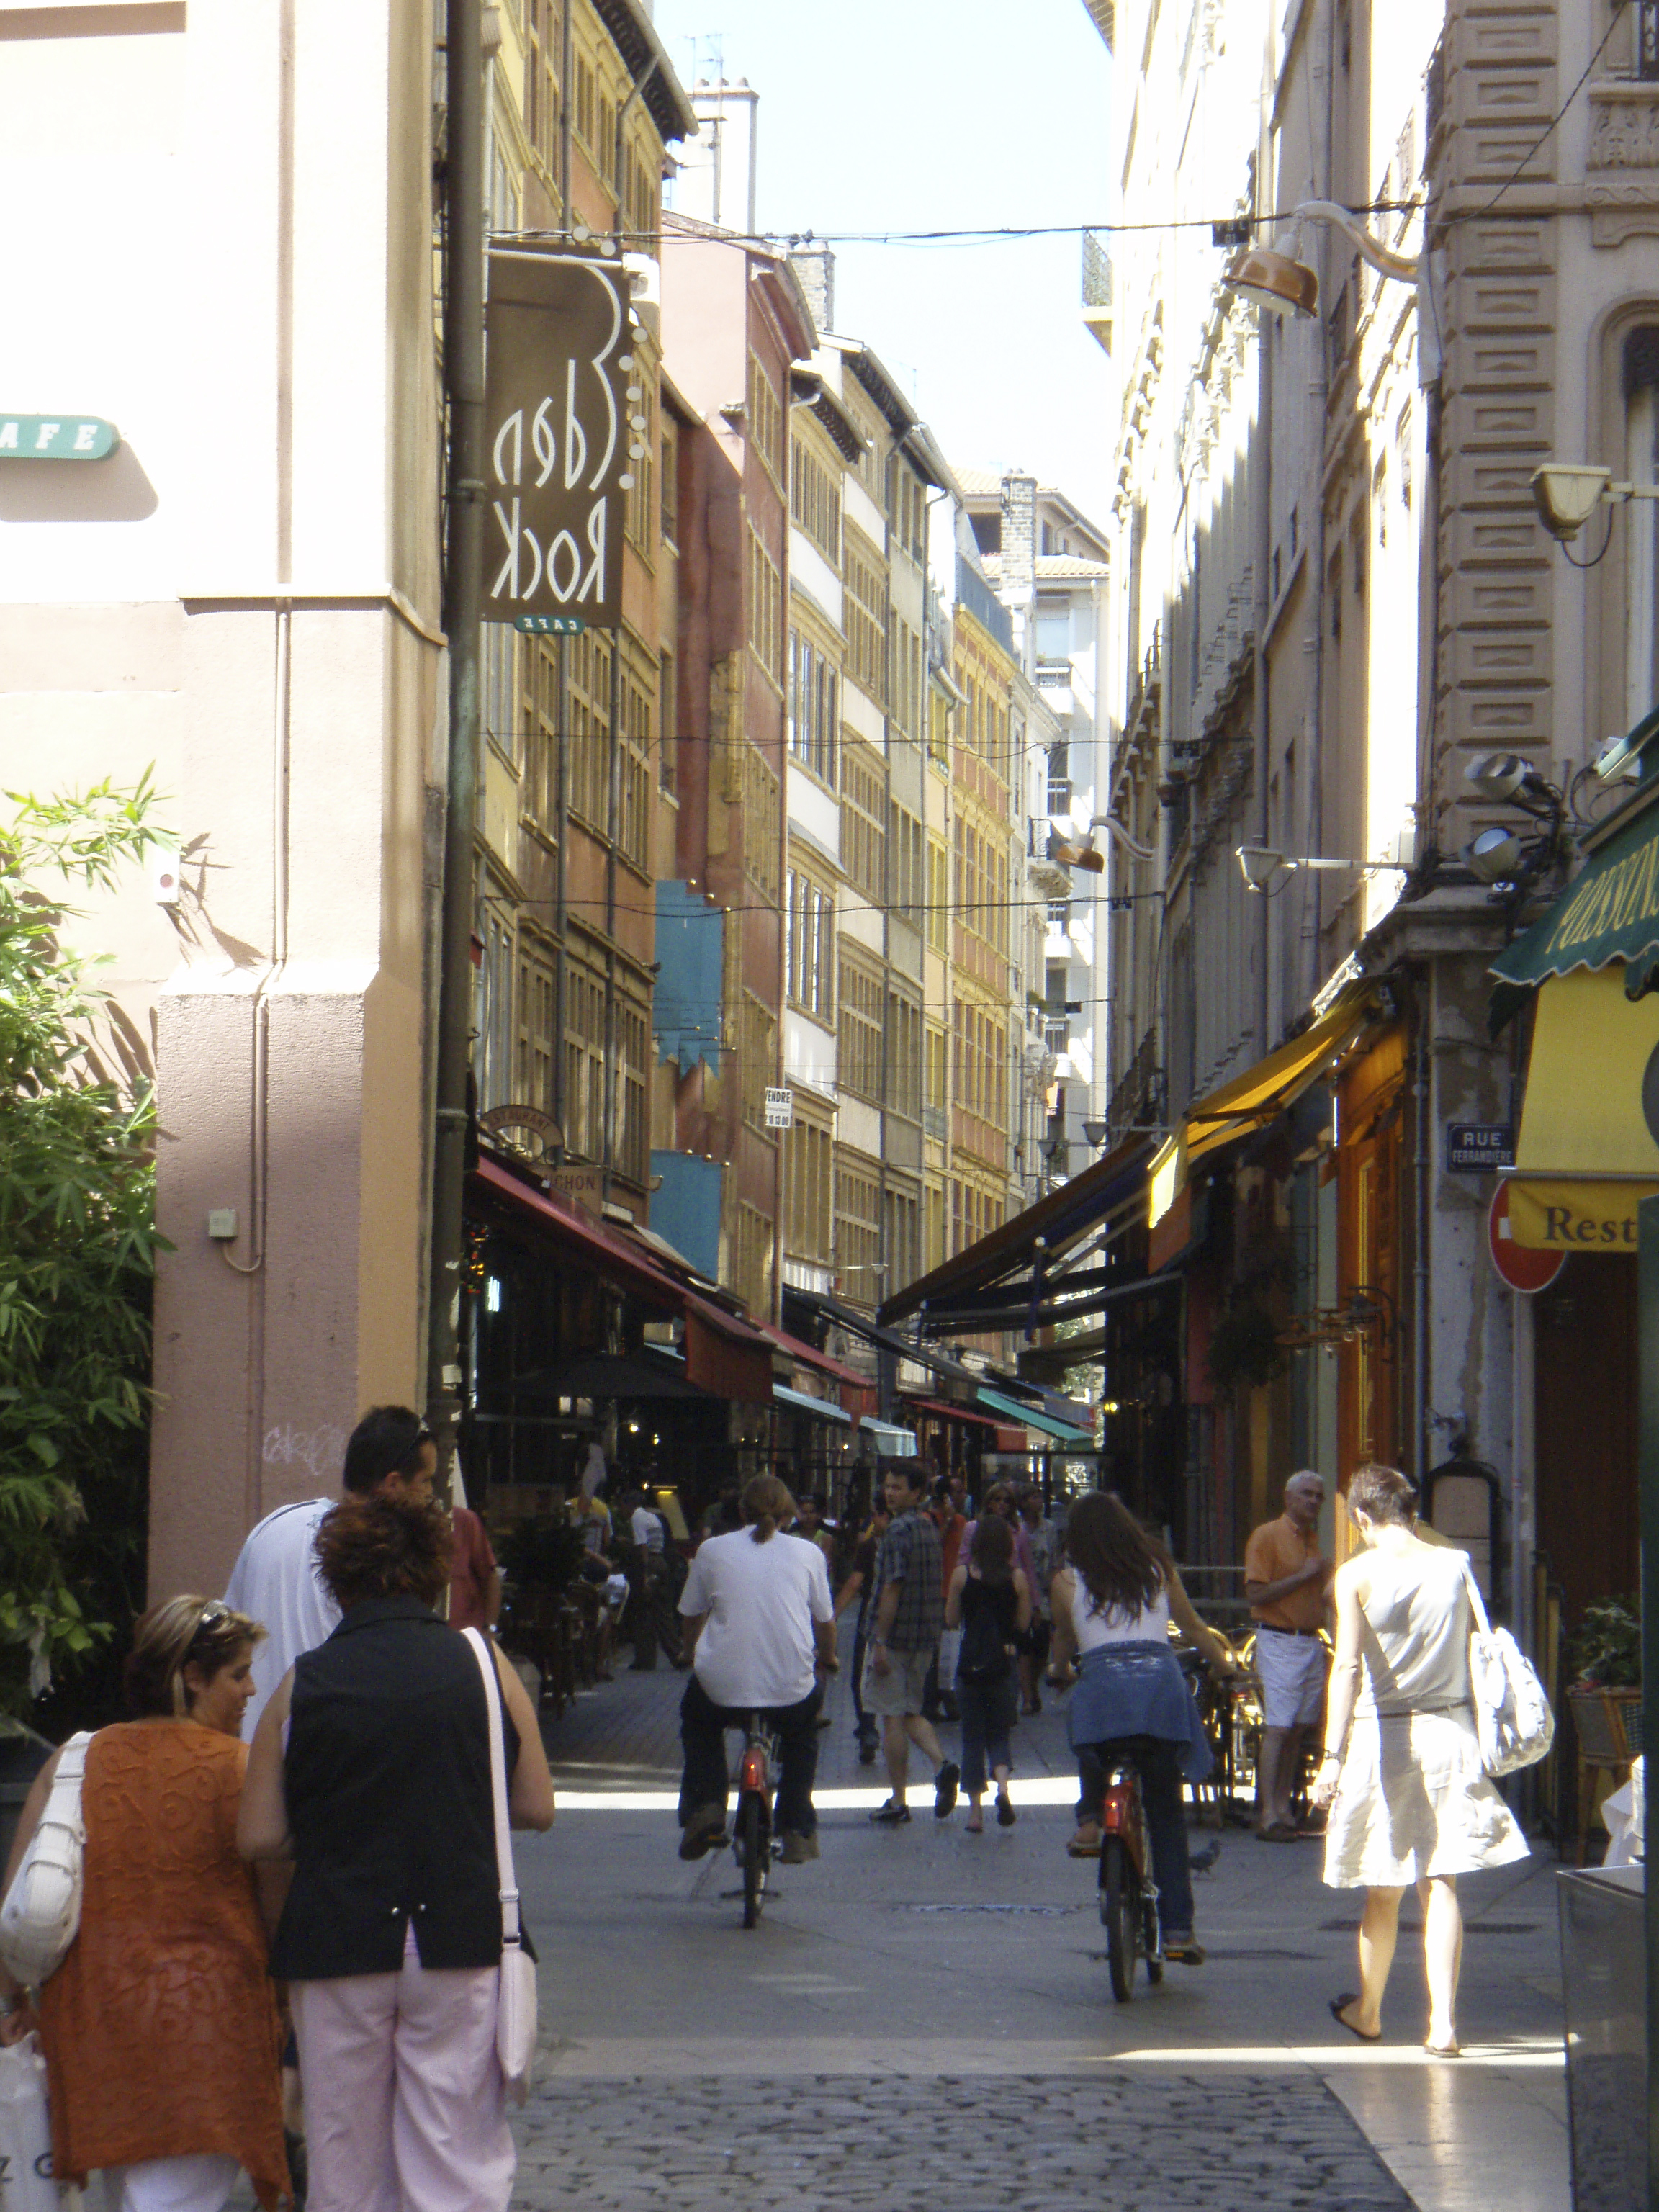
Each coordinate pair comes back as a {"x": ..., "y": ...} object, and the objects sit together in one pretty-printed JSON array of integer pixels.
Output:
[
  {"x": 613, "y": 806},
  {"x": 1261, "y": 557},
  {"x": 640, "y": 85},
  {"x": 464, "y": 385},
  {"x": 1319, "y": 391},
  {"x": 1421, "y": 1270}
]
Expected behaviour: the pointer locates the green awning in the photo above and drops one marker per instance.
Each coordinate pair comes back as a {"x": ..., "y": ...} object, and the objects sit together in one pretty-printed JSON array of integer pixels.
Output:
[
  {"x": 1609, "y": 912},
  {"x": 1014, "y": 1410}
]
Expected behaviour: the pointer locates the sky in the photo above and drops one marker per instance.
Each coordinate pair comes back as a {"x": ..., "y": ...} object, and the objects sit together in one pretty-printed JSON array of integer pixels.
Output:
[{"x": 929, "y": 115}]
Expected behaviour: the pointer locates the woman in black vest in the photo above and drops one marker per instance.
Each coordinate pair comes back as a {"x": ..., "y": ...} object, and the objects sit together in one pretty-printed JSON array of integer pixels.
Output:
[{"x": 370, "y": 1768}]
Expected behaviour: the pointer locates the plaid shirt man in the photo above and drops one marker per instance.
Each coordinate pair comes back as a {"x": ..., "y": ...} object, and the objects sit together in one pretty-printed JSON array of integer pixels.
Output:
[{"x": 910, "y": 1556}]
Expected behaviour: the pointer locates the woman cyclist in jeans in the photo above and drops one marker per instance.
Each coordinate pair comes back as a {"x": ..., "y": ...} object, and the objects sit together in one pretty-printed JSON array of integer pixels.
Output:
[{"x": 1113, "y": 1603}]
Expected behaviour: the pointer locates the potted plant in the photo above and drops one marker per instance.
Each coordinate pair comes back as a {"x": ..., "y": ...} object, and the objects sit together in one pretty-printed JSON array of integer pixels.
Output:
[{"x": 1605, "y": 1690}]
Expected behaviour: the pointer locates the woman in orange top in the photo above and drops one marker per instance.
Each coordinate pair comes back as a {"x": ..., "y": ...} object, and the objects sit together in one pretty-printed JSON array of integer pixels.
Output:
[{"x": 160, "y": 2028}]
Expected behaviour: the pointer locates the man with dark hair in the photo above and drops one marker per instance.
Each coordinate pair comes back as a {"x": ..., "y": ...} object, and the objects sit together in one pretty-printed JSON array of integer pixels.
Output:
[
  {"x": 908, "y": 1615},
  {"x": 391, "y": 1454}
]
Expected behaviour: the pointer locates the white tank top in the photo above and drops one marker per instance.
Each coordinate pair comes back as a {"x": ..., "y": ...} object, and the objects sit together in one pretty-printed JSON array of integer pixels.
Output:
[{"x": 1094, "y": 1626}]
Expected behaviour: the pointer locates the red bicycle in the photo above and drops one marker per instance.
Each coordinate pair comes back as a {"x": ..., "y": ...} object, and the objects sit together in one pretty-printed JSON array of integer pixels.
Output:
[{"x": 1128, "y": 1895}]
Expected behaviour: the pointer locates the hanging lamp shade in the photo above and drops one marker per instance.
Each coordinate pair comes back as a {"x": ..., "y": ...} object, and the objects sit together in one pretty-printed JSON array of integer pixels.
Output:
[{"x": 1274, "y": 279}]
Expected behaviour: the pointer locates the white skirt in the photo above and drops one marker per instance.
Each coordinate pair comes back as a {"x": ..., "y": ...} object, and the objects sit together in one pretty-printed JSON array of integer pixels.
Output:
[{"x": 1415, "y": 1800}]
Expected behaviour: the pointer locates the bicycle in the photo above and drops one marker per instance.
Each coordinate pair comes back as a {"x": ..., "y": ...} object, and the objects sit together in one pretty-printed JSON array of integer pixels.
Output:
[
  {"x": 1128, "y": 1895},
  {"x": 753, "y": 1844}
]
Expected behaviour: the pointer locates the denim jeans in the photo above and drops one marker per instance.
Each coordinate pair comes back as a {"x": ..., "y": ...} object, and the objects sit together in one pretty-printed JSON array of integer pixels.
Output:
[
  {"x": 1159, "y": 1765},
  {"x": 987, "y": 1711},
  {"x": 707, "y": 1778}
]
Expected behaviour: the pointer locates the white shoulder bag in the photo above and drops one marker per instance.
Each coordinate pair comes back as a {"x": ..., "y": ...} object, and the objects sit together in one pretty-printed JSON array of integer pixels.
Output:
[
  {"x": 40, "y": 1916},
  {"x": 515, "y": 2010},
  {"x": 1511, "y": 1713}
]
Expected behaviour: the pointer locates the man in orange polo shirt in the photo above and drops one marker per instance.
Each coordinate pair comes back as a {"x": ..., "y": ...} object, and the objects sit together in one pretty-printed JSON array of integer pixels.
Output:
[{"x": 1287, "y": 1579}]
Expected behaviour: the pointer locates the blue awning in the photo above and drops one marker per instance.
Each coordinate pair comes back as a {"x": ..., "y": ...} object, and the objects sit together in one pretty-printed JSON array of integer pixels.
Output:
[
  {"x": 1034, "y": 1417},
  {"x": 821, "y": 1409}
]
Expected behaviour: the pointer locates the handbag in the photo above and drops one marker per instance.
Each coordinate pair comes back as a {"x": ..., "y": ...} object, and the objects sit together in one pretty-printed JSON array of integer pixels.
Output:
[
  {"x": 41, "y": 1915},
  {"x": 515, "y": 2003},
  {"x": 25, "y": 2182},
  {"x": 1512, "y": 1715}
]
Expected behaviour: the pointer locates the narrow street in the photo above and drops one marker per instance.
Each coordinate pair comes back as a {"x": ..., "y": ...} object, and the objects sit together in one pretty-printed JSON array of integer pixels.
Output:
[{"x": 924, "y": 2017}]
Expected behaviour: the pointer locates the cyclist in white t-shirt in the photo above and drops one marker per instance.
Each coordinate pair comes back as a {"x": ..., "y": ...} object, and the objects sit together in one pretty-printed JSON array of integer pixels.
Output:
[
  {"x": 760, "y": 1623},
  {"x": 274, "y": 1580}
]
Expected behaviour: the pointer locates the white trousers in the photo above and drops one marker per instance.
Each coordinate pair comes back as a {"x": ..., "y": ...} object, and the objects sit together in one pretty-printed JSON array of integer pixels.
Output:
[
  {"x": 200, "y": 2183},
  {"x": 405, "y": 2107}
]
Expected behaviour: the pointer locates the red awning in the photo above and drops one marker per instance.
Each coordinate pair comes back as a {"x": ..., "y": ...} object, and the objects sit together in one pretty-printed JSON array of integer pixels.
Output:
[
  {"x": 620, "y": 1263},
  {"x": 810, "y": 1356},
  {"x": 954, "y": 1413},
  {"x": 725, "y": 1354}
]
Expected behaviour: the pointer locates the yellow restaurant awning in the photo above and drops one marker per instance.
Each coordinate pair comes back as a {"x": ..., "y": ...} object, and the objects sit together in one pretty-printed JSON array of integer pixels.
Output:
[
  {"x": 1588, "y": 1151},
  {"x": 1259, "y": 1096}
]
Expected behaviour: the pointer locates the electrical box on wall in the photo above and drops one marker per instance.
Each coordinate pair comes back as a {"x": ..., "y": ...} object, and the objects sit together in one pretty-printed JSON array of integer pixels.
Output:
[{"x": 222, "y": 1224}]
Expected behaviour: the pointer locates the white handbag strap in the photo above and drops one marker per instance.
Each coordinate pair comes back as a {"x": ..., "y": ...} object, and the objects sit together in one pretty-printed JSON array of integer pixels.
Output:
[
  {"x": 504, "y": 1873},
  {"x": 1478, "y": 1604}
]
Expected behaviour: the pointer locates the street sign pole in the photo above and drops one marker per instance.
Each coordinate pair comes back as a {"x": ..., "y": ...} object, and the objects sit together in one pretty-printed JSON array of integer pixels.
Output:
[{"x": 1647, "y": 1364}]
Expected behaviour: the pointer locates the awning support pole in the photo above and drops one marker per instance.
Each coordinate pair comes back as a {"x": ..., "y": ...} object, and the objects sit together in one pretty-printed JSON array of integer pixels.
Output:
[{"x": 1647, "y": 1340}]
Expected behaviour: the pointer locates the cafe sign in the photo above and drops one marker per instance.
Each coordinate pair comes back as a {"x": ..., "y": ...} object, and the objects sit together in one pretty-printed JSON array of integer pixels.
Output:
[
  {"x": 60, "y": 437},
  {"x": 561, "y": 418}
]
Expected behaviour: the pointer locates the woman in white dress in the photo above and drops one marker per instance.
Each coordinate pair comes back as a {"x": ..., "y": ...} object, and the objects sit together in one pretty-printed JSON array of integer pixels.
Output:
[{"x": 1401, "y": 1773}]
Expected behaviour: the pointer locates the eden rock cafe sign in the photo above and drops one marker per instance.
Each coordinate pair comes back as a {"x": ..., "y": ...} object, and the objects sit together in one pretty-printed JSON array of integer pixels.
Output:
[{"x": 558, "y": 437}]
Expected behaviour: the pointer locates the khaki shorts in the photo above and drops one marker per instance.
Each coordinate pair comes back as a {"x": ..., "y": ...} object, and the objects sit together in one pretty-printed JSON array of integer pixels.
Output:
[
  {"x": 899, "y": 1691},
  {"x": 1292, "y": 1674}
]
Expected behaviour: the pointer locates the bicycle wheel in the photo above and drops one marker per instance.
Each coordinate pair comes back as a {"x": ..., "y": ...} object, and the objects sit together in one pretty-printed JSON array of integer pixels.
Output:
[
  {"x": 1120, "y": 1914},
  {"x": 751, "y": 1842}
]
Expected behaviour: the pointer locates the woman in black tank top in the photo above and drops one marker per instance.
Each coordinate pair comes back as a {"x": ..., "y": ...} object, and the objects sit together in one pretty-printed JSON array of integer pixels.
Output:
[{"x": 990, "y": 1600}]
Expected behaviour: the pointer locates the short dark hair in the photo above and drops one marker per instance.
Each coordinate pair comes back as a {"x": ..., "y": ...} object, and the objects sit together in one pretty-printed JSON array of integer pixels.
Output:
[
  {"x": 1383, "y": 1493},
  {"x": 382, "y": 1546},
  {"x": 388, "y": 1440},
  {"x": 913, "y": 1474}
]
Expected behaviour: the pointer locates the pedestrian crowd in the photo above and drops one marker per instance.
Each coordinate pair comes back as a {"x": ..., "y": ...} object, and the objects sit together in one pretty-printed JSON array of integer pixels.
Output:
[{"x": 323, "y": 1917}]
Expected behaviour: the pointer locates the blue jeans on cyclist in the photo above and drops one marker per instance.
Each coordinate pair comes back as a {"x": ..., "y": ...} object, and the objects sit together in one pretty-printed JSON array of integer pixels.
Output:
[{"x": 706, "y": 1778}]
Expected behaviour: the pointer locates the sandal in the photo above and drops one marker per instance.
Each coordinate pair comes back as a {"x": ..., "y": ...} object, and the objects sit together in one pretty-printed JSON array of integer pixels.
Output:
[
  {"x": 1006, "y": 1813},
  {"x": 1086, "y": 1844},
  {"x": 1339, "y": 2005},
  {"x": 1183, "y": 1950},
  {"x": 975, "y": 1825}
]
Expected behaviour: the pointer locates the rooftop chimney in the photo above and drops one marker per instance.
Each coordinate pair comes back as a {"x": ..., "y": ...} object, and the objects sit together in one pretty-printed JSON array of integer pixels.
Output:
[
  {"x": 1018, "y": 587},
  {"x": 716, "y": 179},
  {"x": 814, "y": 265}
]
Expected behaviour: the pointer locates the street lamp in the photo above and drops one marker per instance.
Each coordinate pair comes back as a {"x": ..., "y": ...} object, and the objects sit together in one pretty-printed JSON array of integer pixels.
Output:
[
  {"x": 1262, "y": 865},
  {"x": 1072, "y": 853},
  {"x": 1277, "y": 278}
]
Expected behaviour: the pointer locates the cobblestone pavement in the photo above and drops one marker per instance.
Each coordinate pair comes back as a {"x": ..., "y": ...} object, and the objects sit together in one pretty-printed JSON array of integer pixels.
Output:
[{"x": 1175, "y": 2143}]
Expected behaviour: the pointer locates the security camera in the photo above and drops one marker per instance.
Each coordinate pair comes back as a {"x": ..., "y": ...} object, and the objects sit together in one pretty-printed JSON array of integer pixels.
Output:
[
  {"x": 1259, "y": 864},
  {"x": 1567, "y": 495},
  {"x": 1494, "y": 856}
]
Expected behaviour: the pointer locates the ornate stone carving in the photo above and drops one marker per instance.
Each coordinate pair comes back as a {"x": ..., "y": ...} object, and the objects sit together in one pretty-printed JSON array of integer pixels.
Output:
[{"x": 1624, "y": 127}]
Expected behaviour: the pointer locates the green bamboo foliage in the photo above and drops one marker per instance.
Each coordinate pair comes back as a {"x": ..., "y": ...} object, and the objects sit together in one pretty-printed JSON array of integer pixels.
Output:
[{"x": 77, "y": 1252}]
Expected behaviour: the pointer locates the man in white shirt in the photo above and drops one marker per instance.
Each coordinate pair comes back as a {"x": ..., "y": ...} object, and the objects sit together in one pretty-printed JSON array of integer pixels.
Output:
[
  {"x": 761, "y": 1625},
  {"x": 646, "y": 1525},
  {"x": 275, "y": 1579}
]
